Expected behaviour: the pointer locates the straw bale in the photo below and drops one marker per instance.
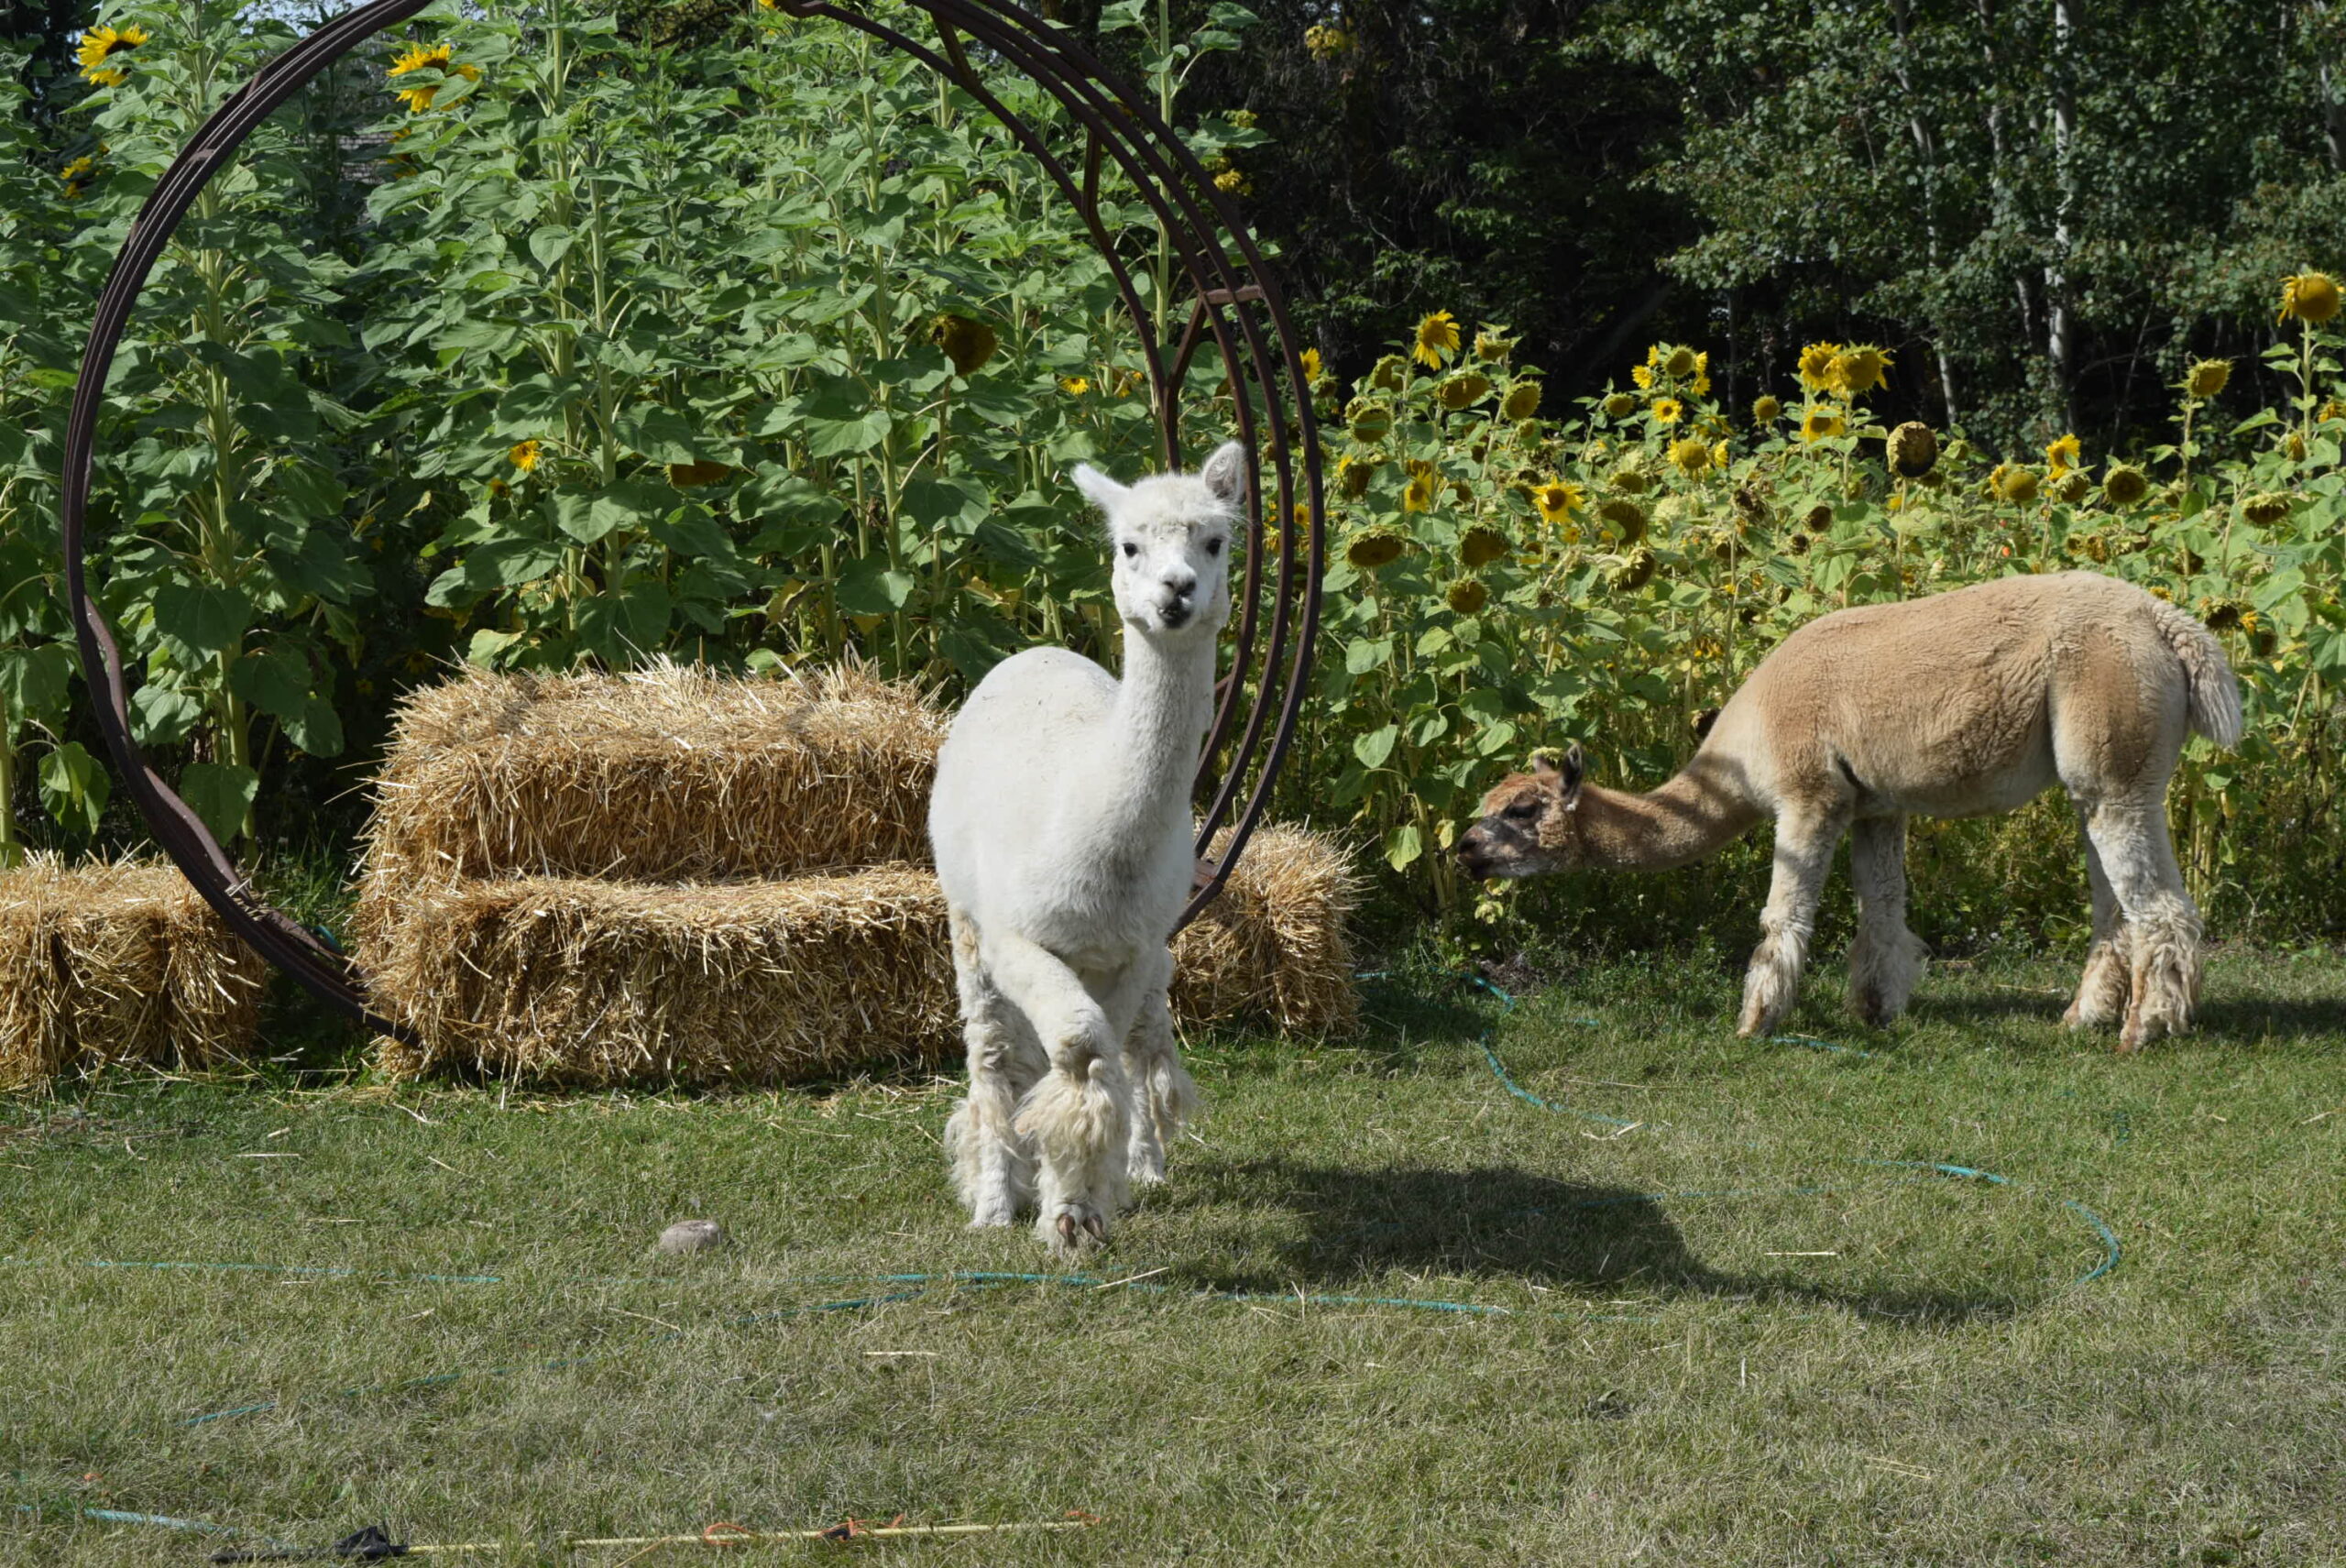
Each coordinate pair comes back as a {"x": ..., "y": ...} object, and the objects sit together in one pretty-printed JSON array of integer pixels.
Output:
[
  {"x": 117, "y": 961},
  {"x": 591, "y": 983},
  {"x": 1271, "y": 948},
  {"x": 673, "y": 774},
  {"x": 583, "y": 982}
]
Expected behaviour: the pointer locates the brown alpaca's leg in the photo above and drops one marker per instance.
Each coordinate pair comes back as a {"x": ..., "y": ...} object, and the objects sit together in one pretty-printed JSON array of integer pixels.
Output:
[
  {"x": 1805, "y": 838},
  {"x": 2108, "y": 980},
  {"x": 2162, "y": 922},
  {"x": 1886, "y": 960}
]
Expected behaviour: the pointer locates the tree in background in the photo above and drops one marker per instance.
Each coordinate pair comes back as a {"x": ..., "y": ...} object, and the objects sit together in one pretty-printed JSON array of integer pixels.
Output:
[{"x": 2048, "y": 205}]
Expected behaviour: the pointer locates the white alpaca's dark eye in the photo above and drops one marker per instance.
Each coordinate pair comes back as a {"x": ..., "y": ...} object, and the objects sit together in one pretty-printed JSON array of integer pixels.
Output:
[
  {"x": 1131, "y": 549},
  {"x": 1213, "y": 546}
]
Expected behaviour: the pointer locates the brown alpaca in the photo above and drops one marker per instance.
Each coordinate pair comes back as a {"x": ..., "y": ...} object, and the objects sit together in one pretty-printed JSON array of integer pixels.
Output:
[{"x": 1958, "y": 705}]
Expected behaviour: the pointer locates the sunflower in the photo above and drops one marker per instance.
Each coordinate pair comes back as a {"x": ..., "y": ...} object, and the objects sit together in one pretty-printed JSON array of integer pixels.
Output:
[
  {"x": 418, "y": 58},
  {"x": 1464, "y": 390},
  {"x": 1620, "y": 405},
  {"x": 1437, "y": 340},
  {"x": 1374, "y": 547},
  {"x": 968, "y": 344},
  {"x": 1369, "y": 421},
  {"x": 1493, "y": 343},
  {"x": 2014, "y": 483},
  {"x": 1232, "y": 182},
  {"x": 1627, "y": 518},
  {"x": 1701, "y": 381},
  {"x": 2309, "y": 296},
  {"x": 1466, "y": 596},
  {"x": 2266, "y": 509},
  {"x": 1857, "y": 369},
  {"x": 1353, "y": 474},
  {"x": 1817, "y": 364},
  {"x": 100, "y": 45},
  {"x": 2207, "y": 377},
  {"x": 1667, "y": 410},
  {"x": 1643, "y": 375},
  {"x": 1483, "y": 543},
  {"x": 1765, "y": 410},
  {"x": 1523, "y": 401},
  {"x": 1558, "y": 500},
  {"x": 1419, "y": 494},
  {"x": 2125, "y": 486},
  {"x": 1313, "y": 371},
  {"x": 524, "y": 456},
  {"x": 1325, "y": 42},
  {"x": 1690, "y": 454},
  {"x": 2062, "y": 455},
  {"x": 1816, "y": 424},
  {"x": 1390, "y": 372},
  {"x": 1679, "y": 363},
  {"x": 1075, "y": 385},
  {"x": 1913, "y": 450}
]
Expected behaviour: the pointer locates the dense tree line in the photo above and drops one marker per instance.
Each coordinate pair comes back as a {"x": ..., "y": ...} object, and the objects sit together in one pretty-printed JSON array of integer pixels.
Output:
[{"x": 2042, "y": 207}]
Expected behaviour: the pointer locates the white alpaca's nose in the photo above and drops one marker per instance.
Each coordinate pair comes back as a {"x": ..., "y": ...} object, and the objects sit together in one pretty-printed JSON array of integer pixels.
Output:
[{"x": 1181, "y": 580}]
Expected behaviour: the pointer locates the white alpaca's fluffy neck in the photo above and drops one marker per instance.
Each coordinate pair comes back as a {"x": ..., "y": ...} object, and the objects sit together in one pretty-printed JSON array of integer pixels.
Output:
[{"x": 1154, "y": 734}]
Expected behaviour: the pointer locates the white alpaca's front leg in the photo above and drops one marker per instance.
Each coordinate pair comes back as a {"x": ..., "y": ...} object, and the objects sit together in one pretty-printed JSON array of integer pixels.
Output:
[
  {"x": 1805, "y": 841},
  {"x": 994, "y": 1171},
  {"x": 1078, "y": 1114},
  {"x": 1886, "y": 960},
  {"x": 1163, "y": 1092}
]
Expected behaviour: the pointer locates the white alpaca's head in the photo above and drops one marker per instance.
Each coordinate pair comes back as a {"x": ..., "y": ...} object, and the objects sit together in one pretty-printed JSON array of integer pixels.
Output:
[{"x": 1172, "y": 537}]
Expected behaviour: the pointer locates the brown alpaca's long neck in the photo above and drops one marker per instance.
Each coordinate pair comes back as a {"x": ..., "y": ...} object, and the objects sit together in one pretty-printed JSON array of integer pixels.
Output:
[{"x": 1701, "y": 809}]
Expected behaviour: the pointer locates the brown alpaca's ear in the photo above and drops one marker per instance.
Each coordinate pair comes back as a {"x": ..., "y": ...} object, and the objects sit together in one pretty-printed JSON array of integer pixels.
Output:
[{"x": 1562, "y": 776}]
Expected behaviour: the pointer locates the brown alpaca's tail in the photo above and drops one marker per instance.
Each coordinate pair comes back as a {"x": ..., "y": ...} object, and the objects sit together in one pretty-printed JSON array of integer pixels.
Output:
[{"x": 2211, "y": 694}]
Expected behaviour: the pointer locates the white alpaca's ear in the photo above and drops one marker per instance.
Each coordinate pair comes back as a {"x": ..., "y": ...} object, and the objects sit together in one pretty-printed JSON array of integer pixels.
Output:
[
  {"x": 1098, "y": 488},
  {"x": 1564, "y": 776},
  {"x": 1226, "y": 472}
]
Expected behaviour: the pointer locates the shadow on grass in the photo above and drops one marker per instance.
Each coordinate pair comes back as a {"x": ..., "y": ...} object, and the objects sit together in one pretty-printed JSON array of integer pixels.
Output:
[
  {"x": 2244, "y": 1019},
  {"x": 1511, "y": 1226}
]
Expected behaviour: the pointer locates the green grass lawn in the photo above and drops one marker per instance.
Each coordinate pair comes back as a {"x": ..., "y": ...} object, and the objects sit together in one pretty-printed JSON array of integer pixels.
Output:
[{"x": 1727, "y": 1338}]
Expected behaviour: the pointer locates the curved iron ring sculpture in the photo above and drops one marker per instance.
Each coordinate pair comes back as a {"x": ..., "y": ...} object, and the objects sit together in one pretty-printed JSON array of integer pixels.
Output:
[{"x": 1237, "y": 305}]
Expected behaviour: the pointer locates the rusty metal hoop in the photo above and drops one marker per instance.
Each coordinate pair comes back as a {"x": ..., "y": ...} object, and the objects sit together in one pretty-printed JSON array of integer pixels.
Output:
[{"x": 1235, "y": 304}]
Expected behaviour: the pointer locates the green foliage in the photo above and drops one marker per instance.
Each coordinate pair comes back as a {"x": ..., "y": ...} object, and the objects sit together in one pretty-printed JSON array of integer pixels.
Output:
[{"x": 1677, "y": 546}]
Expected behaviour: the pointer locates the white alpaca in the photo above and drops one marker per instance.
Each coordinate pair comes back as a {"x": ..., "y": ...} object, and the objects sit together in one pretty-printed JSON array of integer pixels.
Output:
[
  {"x": 1062, "y": 829},
  {"x": 1957, "y": 704}
]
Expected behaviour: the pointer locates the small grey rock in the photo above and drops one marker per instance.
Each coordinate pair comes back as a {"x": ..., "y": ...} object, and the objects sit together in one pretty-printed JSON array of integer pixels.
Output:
[{"x": 691, "y": 1235}]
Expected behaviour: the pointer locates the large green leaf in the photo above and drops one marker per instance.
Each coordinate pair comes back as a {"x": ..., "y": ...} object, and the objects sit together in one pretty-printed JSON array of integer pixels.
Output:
[
  {"x": 630, "y": 503},
  {"x": 198, "y": 622},
  {"x": 660, "y": 433},
  {"x": 220, "y": 793},
  {"x": 276, "y": 680},
  {"x": 869, "y": 586},
  {"x": 73, "y": 788},
  {"x": 161, "y": 715},
  {"x": 33, "y": 683},
  {"x": 623, "y": 627}
]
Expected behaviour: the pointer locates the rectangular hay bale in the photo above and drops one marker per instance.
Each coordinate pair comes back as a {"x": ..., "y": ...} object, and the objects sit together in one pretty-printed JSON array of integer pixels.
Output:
[
  {"x": 673, "y": 774},
  {"x": 117, "y": 961},
  {"x": 585, "y": 982}
]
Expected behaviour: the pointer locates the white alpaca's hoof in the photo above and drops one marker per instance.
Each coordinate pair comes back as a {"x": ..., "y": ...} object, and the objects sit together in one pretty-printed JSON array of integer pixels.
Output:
[
  {"x": 988, "y": 1216},
  {"x": 1146, "y": 1169},
  {"x": 1074, "y": 1229},
  {"x": 2090, "y": 1012}
]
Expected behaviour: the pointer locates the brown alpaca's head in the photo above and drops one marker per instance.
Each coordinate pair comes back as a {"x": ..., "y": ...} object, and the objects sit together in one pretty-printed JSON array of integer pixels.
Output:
[{"x": 1528, "y": 826}]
